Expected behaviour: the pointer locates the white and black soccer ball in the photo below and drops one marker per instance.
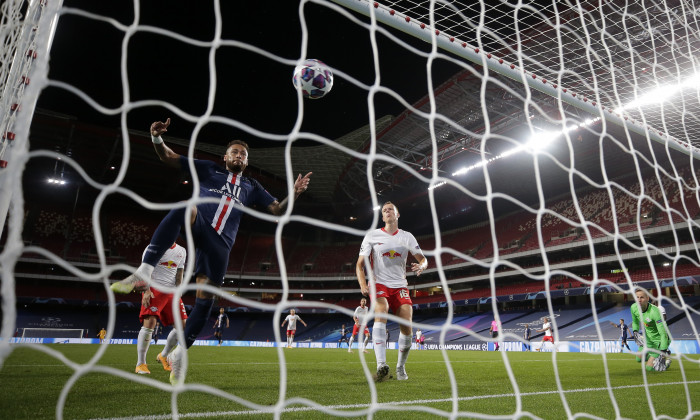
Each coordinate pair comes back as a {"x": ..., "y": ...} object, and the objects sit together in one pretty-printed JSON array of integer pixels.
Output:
[{"x": 313, "y": 78}]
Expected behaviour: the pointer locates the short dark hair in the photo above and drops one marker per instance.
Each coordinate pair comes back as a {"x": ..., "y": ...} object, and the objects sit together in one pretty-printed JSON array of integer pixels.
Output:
[{"x": 241, "y": 142}]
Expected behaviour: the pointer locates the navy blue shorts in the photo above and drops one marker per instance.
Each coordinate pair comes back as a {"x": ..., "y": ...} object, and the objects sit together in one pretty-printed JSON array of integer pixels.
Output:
[{"x": 211, "y": 252}]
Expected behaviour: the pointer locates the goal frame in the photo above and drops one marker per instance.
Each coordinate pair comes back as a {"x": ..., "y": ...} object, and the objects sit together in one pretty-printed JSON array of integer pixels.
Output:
[
  {"x": 30, "y": 329},
  {"x": 19, "y": 96}
]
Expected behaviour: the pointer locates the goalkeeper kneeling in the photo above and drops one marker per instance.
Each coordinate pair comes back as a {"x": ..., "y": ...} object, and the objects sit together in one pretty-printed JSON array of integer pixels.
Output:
[{"x": 653, "y": 343}]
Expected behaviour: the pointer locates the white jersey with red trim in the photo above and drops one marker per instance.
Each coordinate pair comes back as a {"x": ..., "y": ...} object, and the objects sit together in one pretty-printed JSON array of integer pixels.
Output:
[
  {"x": 388, "y": 254},
  {"x": 172, "y": 260},
  {"x": 361, "y": 313},
  {"x": 547, "y": 327},
  {"x": 292, "y": 319}
]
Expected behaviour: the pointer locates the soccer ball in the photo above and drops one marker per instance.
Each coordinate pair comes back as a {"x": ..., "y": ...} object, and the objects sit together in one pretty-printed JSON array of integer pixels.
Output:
[{"x": 314, "y": 79}]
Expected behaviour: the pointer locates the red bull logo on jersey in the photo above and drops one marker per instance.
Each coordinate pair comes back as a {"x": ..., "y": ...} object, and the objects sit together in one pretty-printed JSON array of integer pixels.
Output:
[
  {"x": 169, "y": 264},
  {"x": 392, "y": 254}
]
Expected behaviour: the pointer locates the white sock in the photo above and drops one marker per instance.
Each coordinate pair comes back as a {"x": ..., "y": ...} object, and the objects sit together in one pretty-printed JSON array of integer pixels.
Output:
[
  {"x": 142, "y": 344},
  {"x": 350, "y": 342},
  {"x": 145, "y": 271},
  {"x": 170, "y": 342},
  {"x": 404, "y": 347},
  {"x": 366, "y": 341},
  {"x": 379, "y": 337}
]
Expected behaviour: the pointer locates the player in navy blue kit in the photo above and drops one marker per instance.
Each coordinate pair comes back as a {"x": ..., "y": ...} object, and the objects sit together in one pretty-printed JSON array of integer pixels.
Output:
[
  {"x": 214, "y": 225},
  {"x": 343, "y": 335},
  {"x": 219, "y": 325},
  {"x": 623, "y": 334}
]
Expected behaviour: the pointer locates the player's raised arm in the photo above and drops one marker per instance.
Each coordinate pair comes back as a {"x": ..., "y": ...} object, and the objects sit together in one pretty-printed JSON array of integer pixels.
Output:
[
  {"x": 165, "y": 153},
  {"x": 300, "y": 185}
]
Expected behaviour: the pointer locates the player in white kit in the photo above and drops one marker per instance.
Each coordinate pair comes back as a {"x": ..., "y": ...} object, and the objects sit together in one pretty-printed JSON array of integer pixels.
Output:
[
  {"x": 157, "y": 304},
  {"x": 383, "y": 254},
  {"x": 360, "y": 316},
  {"x": 292, "y": 318}
]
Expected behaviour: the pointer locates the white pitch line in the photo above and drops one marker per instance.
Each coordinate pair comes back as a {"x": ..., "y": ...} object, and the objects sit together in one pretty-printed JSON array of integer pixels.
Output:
[
  {"x": 379, "y": 406},
  {"x": 548, "y": 360}
]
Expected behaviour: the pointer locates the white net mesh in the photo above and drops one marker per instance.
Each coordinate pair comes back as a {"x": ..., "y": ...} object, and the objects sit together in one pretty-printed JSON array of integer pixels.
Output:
[{"x": 547, "y": 148}]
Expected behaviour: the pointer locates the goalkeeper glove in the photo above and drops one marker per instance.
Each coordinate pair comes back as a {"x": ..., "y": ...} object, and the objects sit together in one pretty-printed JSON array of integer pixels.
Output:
[
  {"x": 638, "y": 338},
  {"x": 667, "y": 356},
  {"x": 660, "y": 363}
]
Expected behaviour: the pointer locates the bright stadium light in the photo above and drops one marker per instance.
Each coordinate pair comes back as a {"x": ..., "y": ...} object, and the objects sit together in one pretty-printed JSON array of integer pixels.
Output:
[
  {"x": 662, "y": 93},
  {"x": 540, "y": 141},
  {"x": 439, "y": 184}
]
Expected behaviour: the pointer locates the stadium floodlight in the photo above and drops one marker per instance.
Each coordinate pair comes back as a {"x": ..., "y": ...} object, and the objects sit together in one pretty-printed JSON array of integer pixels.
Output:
[
  {"x": 439, "y": 184},
  {"x": 662, "y": 93},
  {"x": 540, "y": 141}
]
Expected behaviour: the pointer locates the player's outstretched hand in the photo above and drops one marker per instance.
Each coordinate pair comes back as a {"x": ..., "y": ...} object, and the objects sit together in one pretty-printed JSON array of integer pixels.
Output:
[
  {"x": 301, "y": 184},
  {"x": 159, "y": 127}
]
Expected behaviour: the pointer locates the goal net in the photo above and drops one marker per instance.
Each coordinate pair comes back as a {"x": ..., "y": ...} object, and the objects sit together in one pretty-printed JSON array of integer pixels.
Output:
[
  {"x": 543, "y": 154},
  {"x": 52, "y": 333}
]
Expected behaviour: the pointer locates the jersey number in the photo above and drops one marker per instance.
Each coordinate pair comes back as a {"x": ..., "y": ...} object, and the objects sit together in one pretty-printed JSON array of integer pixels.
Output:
[{"x": 403, "y": 293}]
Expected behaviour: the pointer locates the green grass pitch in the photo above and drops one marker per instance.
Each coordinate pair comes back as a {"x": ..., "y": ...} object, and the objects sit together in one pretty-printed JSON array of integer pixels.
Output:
[{"x": 232, "y": 382}]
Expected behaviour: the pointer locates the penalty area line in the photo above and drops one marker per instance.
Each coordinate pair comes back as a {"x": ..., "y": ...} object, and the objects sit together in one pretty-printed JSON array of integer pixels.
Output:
[{"x": 386, "y": 404}]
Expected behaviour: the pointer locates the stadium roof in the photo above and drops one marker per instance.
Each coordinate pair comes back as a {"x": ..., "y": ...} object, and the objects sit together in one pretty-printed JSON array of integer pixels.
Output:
[{"x": 480, "y": 118}]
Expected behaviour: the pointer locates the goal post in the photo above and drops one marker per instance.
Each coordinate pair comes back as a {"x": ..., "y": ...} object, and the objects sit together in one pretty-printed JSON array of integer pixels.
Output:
[
  {"x": 26, "y": 31},
  {"x": 53, "y": 333}
]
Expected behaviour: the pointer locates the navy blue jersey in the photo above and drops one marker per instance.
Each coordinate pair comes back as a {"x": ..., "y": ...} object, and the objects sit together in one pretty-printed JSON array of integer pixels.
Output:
[
  {"x": 220, "y": 321},
  {"x": 623, "y": 330},
  {"x": 231, "y": 190}
]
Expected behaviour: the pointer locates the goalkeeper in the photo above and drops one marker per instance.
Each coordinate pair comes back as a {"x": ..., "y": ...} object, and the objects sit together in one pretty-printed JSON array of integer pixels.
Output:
[{"x": 655, "y": 347}]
